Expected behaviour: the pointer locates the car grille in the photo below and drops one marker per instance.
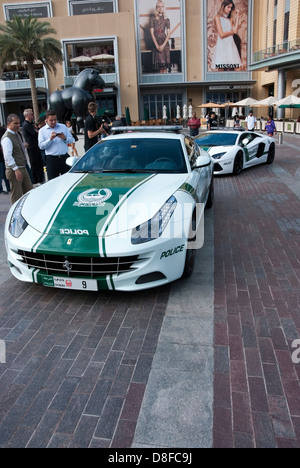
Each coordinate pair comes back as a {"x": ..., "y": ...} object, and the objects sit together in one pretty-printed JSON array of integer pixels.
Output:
[{"x": 73, "y": 267}]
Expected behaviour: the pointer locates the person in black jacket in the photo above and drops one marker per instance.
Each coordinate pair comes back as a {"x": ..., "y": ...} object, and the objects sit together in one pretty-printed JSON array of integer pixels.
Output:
[
  {"x": 92, "y": 129},
  {"x": 2, "y": 167},
  {"x": 30, "y": 134}
]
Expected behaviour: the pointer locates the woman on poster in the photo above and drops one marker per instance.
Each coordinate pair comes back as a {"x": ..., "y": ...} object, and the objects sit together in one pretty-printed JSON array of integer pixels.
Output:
[
  {"x": 226, "y": 56},
  {"x": 160, "y": 33}
]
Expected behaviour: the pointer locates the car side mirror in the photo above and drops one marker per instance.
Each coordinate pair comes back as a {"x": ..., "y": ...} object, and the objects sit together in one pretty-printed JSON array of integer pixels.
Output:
[
  {"x": 202, "y": 161},
  {"x": 245, "y": 141},
  {"x": 71, "y": 161}
]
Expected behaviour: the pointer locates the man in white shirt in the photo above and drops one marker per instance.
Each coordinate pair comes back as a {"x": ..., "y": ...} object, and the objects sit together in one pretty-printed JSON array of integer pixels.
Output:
[
  {"x": 53, "y": 139},
  {"x": 15, "y": 159},
  {"x": 250, "y": 122}
]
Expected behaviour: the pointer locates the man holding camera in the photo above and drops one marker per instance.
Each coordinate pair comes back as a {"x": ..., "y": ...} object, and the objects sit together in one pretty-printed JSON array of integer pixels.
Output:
[
  {"x": 54, "y": 138},
  {"x": 92, "y": 129}
]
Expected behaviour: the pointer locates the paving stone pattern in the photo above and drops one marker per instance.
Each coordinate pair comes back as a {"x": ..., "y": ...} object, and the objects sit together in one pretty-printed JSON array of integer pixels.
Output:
[
  {"x": 78, "y": 364},
  {"x": 257, "y": 307}
]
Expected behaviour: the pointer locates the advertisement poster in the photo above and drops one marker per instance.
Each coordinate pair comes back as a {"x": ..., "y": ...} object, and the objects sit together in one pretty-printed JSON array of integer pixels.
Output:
[
  {"x": 160, "y": 36},
  {"x": 227, "y": 35}
]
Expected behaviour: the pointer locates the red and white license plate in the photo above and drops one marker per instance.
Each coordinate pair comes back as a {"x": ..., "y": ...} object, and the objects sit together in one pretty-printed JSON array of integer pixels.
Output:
[{"x": 71, "y": 283}]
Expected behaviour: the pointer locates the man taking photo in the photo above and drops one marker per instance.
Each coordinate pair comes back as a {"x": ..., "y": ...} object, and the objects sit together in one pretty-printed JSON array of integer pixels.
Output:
[{"x": 54, "y": 138}]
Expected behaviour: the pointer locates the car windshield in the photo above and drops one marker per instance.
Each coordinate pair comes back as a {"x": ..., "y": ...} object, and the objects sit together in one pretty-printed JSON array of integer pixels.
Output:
[
  {"x": 159, "y": 155},
  {"x": 216, "y": 139}
]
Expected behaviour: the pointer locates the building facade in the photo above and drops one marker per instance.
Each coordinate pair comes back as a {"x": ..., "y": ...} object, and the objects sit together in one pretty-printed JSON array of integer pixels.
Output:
[
  {"x": 276, "y": 50},
  {"x": 173, "y": 53}
]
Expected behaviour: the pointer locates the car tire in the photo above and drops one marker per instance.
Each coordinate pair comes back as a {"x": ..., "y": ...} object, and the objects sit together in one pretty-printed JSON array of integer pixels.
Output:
[
  {"x": 271, "y": 154},
  {"x": 211, "y": 195},
  {"x": 238, "y": 164},
  {"x": 190, "y": 253},
  {"x": 189, "y": 263}
]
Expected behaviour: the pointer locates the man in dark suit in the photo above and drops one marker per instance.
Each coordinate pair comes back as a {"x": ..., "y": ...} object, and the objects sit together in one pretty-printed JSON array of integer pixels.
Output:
[
  {"x": 2, "y": 167},
  {"x": 30, "y": 134}
]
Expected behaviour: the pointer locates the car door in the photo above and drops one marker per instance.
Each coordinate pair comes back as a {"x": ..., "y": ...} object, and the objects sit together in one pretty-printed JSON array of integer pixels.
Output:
[
  {"x": 200, "y": 178},
  {"x": 249, "y": 141}
]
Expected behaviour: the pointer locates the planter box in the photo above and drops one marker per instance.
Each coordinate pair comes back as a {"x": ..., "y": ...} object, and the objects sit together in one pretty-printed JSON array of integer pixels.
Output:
[
  {"x": 279, "y": 126},
  {"x": 289, "y": 127}
]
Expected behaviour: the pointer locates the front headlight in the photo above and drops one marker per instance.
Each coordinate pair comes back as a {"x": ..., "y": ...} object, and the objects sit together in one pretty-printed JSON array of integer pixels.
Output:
[
  {"x": 153, "y": 228},
  {"x": 218, "y": 155},
  {"x": 18, "y": 224}
]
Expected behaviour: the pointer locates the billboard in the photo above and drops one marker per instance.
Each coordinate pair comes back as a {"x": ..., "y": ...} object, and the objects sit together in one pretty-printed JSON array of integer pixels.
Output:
[
  {"x": 227, "y": 35},
  {"x": 159, "y": 35}
]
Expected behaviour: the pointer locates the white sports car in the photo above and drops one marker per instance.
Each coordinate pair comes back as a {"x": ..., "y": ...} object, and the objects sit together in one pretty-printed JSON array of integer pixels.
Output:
[
  {"x": 233, "y": 151},
  {"x": 125, "y": 217}
]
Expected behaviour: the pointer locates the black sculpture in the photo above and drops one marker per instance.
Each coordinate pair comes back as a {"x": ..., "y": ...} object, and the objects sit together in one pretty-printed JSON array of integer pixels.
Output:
[{"x": 76, "y": 98}]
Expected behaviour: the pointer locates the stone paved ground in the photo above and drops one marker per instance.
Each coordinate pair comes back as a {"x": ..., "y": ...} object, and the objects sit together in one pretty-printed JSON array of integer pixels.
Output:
[
  {"x": 78, "y": 364},
  {"x": 257, "y": 305}
]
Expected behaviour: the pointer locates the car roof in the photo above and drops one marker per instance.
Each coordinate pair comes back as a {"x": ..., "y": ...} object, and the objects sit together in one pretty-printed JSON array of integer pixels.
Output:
[{"x": 166, "y": 132}]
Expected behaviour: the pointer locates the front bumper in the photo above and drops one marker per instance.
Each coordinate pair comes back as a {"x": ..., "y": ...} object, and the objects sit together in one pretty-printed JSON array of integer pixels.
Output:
[
  {"x": 223, "y": 166},
  {"x": 122, "y": 266}
]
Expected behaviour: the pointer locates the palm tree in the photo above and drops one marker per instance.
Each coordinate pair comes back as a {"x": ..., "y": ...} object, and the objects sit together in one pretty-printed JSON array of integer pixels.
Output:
[{"x": 27, "y": 40}]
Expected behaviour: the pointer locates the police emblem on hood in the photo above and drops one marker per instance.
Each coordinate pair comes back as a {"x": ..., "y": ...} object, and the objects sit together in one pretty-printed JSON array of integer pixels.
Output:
[{"x": 93, "y": 198}]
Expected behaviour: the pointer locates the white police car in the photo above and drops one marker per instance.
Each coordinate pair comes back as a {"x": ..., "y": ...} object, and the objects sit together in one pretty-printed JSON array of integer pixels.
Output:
[
  {"x": 233, "y": 151},
  {"x": 125, "y": 217}
]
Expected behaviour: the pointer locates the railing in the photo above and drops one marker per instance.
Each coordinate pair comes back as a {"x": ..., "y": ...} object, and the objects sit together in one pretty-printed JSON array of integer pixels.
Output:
[
  {"x": 103, "y": 69},
  {"x": 277, "y": 50},
  {"x": 20, "y": 75},
  {"x": 107, "y": 72}
]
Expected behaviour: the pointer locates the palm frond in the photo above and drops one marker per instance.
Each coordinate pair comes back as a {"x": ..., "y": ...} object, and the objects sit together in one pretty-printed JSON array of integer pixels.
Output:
[{"x": 27, "y": 40}]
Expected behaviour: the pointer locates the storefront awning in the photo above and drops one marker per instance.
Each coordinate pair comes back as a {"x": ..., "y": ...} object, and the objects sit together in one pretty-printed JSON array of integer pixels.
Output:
[{"x": 14, "y": 95}]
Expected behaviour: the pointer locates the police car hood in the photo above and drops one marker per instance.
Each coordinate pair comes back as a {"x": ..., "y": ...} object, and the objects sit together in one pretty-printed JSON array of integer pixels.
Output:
[{"x": 98, "y": 204}]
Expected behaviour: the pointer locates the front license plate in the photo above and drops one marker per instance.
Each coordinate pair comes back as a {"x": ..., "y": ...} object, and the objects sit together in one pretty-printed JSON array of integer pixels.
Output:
[{"x": 70, "y": 283}]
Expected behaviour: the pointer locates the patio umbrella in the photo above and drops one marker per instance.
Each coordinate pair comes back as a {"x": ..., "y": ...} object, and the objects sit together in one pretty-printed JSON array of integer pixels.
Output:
[
  {"x": 146, "y": 113},
  {"x": 270, "y": 101},
  {"x": 289, "y": 102},
  {"x": 81, "y": 59},
  {"x": 103, "y": 57},
  {"x": 127, "y": 115},
  {"x": 23, "y": 62},
  {"x": 246, "y": 102},
  {"x": 290, "y": 106},
  {"x": 211, "y": 105}
]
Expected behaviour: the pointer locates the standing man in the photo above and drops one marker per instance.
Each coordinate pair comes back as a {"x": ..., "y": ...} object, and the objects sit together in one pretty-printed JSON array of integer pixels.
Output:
[
  {"x": 54, "y": 138},
  {"x": 212, "y": 121},
  {"x": 2, "y": 167},
  {"x": 91, "y": 127},
  {"x": 118, "y": 121},
  {"x": 15, "y": 159},
  {"x": 194, "y": 124},
  {"x": 30, "y": 134},
  {"x": 250, "y": 122}
]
